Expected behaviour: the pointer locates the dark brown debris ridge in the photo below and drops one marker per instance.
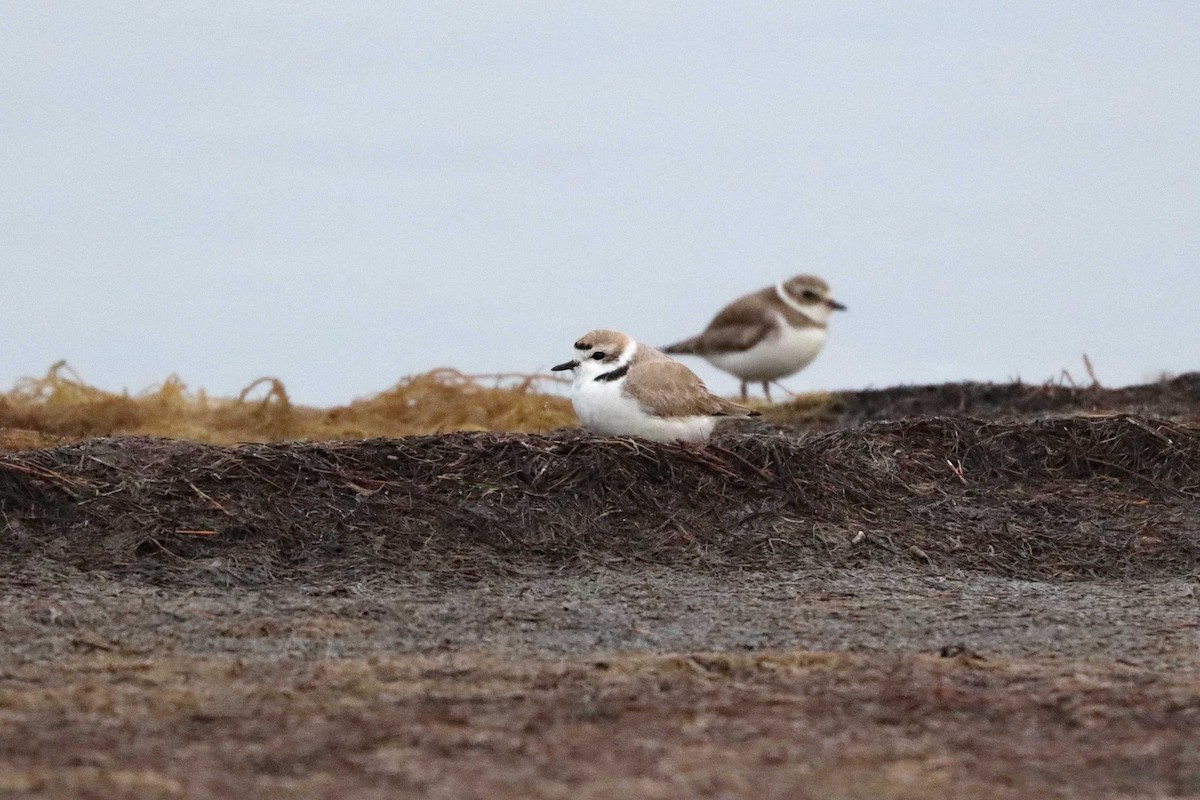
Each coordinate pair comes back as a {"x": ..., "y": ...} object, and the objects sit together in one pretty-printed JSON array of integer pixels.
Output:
[
  {"x": 1071, "y": 497},
  {"x": 1175, "y": 398}
]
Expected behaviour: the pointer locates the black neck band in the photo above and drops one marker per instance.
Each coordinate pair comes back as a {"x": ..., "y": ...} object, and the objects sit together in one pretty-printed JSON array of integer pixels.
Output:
[{"x": 619, "y": 372}]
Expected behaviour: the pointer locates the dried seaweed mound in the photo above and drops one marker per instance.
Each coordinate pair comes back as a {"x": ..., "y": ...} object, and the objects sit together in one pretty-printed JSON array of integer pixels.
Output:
[
  {"x": 1073, "y": 497},
  {"x": 61, "y": 406}
]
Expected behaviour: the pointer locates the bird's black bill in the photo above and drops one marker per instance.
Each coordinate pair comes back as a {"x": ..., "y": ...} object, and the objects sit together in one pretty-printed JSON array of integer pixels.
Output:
[
  {"x": 565, "y": 365},
  {"x": 835, "y": 305}
]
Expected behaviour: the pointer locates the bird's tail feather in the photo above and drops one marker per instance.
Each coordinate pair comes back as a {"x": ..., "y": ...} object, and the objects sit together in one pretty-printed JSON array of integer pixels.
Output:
[
  {"x": 728, "y": 408},
  {"x": 685, "y": 348}
]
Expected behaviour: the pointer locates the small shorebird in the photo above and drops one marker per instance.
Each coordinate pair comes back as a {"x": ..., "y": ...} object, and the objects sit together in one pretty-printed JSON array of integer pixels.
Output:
[
  {"x": 623, "y": 388},
  {"x": 768, "y": 335}
]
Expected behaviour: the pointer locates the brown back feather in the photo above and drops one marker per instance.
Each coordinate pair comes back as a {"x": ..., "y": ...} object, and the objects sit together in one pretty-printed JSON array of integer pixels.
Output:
[
  {"x": 742, "y": 324},
  {"x": 665, "y": 388}
]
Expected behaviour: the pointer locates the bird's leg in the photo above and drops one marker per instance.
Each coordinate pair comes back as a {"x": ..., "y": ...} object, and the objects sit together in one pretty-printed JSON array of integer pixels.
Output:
[
  {"x": 767, "y": 390},
  {"x": 745, "y": 394},
  {"x": 786, "y": 390}
]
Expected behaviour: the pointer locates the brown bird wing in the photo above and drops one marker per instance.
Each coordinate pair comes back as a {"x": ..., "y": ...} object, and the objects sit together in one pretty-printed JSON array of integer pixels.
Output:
[
  {"x": 666, "y": 388},
  {"x": 740, "y": 325}
]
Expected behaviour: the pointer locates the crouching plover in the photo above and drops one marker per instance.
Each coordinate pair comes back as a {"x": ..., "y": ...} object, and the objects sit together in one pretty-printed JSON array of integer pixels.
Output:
[
  {"x": 623, "y": 388},
  {"x": 768, "y": 335}
]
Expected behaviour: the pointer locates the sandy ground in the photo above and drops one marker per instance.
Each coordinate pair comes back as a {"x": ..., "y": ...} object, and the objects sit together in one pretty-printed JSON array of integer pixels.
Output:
[
  {"x": 1153, "y": 624},
  {"x": 605, "y": 683}
]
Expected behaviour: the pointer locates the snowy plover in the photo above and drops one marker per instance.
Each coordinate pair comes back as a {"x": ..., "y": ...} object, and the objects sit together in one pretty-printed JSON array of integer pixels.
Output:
[
  {"x": 623, "y": 388},
  {"x": 768, "y": 335}
]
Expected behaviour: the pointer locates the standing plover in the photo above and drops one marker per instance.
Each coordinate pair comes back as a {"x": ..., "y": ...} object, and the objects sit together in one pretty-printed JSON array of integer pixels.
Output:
[
  {"x": 768, "y": 335},
  {"x": 623, "y": 388}
]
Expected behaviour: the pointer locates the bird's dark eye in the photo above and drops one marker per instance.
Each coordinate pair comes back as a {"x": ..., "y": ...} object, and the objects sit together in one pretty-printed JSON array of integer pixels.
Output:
[
  {"x": 597, "y": 355},
  {"x": 811, "y": 295}
]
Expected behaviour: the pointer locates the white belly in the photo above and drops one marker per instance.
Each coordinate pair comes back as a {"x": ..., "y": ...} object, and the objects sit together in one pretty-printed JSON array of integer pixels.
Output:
[
  {"x": 790, "y": 351},
  {"x": 603, "y": 409}
]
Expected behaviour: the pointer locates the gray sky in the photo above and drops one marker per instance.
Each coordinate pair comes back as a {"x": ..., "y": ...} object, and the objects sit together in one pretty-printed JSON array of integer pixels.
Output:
[{"x": 341, "y": 193}]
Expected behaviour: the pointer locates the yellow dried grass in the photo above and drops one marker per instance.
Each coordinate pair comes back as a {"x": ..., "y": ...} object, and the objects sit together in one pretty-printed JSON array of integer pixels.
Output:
[{"x": 60, "y": 405}]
